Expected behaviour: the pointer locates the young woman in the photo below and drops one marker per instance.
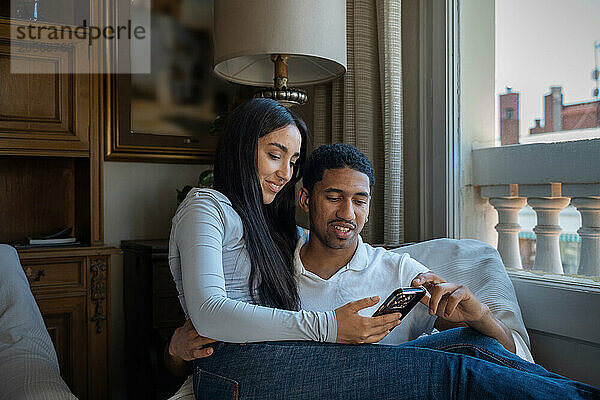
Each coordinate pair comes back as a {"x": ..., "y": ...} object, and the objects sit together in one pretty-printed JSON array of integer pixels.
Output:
[{"x": 231, "y": 254}]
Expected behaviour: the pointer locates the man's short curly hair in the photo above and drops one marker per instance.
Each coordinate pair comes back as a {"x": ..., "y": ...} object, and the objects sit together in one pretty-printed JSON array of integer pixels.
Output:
[{"x": 335, "y": 156}]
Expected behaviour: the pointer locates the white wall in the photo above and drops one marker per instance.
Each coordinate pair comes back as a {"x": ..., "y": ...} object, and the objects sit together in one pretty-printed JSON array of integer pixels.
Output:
[{"x": 139, "y": 201}]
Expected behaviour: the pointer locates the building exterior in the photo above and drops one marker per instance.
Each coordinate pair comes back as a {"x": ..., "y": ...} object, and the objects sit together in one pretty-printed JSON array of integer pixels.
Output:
[
  {"x": 509, "y": 117},
  {"x": 558, "y": 117}
]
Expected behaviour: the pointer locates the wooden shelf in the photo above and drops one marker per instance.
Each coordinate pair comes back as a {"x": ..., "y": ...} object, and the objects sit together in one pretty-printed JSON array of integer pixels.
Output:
[
  {"x": 41, "y": 195},
  {"x": 51, "y": 171},
  {"x": 48, "y": 252}
]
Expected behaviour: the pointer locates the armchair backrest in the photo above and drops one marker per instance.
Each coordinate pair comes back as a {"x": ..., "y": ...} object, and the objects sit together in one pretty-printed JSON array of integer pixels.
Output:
[
  {"x": 479, "y": 267},
  {"x": 29, "y": 367}
]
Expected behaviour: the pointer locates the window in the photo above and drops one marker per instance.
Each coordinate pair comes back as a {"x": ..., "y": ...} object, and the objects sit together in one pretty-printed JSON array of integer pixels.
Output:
[
  {"x": 548, "y": 98},
  {"x": 498, "y": 180},
  {"x": 529, "y": 168},
  {"x": 546, "y": 52}
]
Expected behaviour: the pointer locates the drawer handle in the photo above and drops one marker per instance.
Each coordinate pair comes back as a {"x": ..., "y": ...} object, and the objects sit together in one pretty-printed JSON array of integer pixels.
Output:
[{"x": 30, "y": 275}]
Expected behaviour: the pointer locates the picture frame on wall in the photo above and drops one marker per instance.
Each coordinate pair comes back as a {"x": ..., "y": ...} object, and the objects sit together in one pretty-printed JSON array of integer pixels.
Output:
[{"x": 175, "y": 112}]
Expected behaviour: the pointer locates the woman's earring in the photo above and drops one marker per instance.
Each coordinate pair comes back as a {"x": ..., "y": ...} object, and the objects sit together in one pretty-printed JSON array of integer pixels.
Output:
[{"x": 367, "y": 220}]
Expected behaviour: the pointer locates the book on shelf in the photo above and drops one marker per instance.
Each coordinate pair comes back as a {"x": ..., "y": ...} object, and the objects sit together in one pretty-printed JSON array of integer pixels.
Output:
[
  {"x": 62, "y": 237},
  {"x": 53, "y": 241},
  {"x": 24, "y": 246}
]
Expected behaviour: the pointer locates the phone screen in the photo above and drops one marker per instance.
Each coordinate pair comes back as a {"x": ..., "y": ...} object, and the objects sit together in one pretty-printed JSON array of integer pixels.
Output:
[{"x": 401, "y": 301}]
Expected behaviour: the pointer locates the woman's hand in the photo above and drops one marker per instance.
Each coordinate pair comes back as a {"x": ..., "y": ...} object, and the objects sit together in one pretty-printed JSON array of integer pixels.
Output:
[{"x": 353, "y": 328}]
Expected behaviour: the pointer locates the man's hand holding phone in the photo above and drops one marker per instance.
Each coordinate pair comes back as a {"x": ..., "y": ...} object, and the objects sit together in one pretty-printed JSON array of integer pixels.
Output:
[
  {"x": 455, "y": 305},
  {"x": 450, "y": 301}
]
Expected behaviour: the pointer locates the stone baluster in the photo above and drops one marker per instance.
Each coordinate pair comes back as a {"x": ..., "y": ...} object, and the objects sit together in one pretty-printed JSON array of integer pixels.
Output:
[
  {"x": 589, "y": 261},
  {"x": 547, "y": 231},
  {"x": 508, "y": 229}
]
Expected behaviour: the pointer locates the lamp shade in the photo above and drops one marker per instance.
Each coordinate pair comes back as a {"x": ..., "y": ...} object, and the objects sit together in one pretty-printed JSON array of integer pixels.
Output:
[{"x": 248, "y": 32}]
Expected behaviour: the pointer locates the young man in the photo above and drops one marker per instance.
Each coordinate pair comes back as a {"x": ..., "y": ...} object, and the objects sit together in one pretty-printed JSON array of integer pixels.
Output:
[{"x": 334, "y": 267}]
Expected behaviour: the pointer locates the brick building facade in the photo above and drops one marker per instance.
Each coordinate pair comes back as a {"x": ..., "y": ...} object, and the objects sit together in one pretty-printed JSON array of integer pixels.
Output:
[
  {"x": 557, "y": 116},
  {"x": 509, "y": 117},
  {"x": 560, "y": 117}
]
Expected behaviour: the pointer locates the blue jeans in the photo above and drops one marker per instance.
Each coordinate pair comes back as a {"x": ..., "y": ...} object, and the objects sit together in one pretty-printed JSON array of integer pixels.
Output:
[{"x": 455, "y": 364}]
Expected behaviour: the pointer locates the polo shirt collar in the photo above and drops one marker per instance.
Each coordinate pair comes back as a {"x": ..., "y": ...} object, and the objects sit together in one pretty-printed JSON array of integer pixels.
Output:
[{"x": 358, "y": 262}]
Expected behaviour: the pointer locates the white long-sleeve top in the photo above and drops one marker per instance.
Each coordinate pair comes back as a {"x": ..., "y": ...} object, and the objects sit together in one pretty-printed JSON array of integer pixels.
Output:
[{"x": 211, "y": 270}]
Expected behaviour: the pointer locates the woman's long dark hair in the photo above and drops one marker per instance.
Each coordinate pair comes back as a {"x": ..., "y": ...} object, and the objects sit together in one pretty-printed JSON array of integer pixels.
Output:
[{"x": 269, "y": 229}]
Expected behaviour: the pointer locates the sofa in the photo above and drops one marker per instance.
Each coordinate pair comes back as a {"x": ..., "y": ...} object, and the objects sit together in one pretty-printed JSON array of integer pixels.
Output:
[
  {"x": 472, "y": 263},
  {"x": 28, "y": 364}
]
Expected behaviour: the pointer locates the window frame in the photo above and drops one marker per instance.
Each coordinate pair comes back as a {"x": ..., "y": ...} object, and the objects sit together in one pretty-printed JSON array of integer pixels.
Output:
[{"x": 439, "y": 82}]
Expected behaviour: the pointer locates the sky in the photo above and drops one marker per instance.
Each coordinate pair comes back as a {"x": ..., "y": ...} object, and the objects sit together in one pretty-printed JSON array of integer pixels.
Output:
[{"x": 543, "y": 43}]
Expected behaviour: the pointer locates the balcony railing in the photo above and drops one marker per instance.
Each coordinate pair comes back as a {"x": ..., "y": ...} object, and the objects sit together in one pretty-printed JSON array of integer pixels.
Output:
[{"x": 548, "y": 177}]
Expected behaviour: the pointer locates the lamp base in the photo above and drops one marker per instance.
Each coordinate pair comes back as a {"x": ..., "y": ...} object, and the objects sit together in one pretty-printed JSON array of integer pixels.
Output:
[{"x": 286, "y": 96}]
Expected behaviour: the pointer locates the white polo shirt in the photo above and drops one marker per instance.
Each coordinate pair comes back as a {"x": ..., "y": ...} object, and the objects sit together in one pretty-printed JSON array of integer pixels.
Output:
[{"x": 370, "y": 272}]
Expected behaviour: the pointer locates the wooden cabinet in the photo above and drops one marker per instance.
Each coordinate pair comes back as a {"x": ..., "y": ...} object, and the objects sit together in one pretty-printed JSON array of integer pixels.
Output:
[
  {"x": 51, "y": 165},
  {"x": 152, "y": 313},
  {"x": 47, "y": 108},
  {"x": 71, "y": 288}
]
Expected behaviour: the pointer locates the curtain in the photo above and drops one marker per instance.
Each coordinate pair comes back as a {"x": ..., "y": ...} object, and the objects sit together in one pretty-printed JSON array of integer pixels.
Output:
[{"x": 364, "y": 109}]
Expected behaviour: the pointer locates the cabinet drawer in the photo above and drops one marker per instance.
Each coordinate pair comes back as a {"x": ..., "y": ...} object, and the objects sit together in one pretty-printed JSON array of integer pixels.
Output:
[
  {"x": 167, "y": 312},
  {"x": 163, "y": 283},
  {"x": 58, "y": 274}
]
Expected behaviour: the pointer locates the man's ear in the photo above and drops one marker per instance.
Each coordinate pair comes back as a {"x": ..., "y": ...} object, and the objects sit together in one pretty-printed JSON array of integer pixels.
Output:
[{"x": 303, "y": 199}]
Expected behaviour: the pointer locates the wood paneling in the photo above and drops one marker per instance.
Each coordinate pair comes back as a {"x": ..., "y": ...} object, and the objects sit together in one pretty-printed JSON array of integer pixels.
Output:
[
  {"x": 66, "y": 322},
  {"x": 35, "y": 94},
  {"x": 44, "y": 106}
]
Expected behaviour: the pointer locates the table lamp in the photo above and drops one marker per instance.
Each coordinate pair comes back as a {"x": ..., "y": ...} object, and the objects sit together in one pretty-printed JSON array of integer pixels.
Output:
[{"x": 278, "y": 44}]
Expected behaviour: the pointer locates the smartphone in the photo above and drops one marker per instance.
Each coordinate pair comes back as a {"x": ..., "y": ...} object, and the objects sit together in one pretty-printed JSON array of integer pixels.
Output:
[{"x": 401, "y": 301}]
